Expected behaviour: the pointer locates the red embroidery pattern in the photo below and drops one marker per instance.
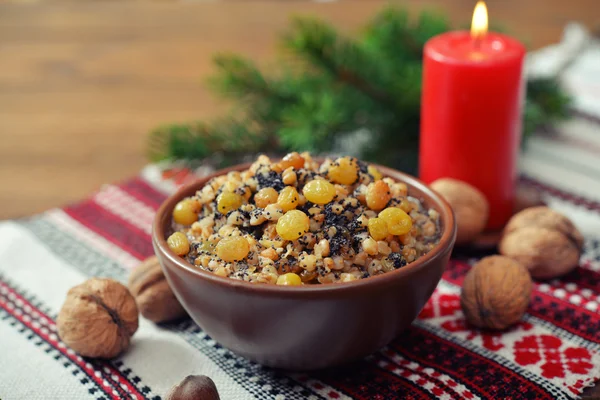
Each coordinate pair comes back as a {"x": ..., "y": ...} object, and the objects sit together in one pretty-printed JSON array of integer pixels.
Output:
[
  {"x": 441, "y": 305},
  {"x": 555, "y": 361}
]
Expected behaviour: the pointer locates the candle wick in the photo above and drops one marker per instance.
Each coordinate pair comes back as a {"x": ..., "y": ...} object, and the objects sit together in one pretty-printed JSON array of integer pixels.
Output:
[{"x": 477, "y": 42}]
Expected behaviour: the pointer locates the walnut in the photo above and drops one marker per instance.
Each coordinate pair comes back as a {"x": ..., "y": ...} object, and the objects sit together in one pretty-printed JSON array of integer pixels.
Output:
[
  {"x": 544, "y": 241},
  {"x": 527, "y": 197},
  {"x": 152, "y": 292},
  {"x": 98, "y": 318},
  {"x": 545, "y": 217},
  {"x": 470, "y": 206},
  {"x": 194, "y": 387},
  {"x": 496, "y": 292}
]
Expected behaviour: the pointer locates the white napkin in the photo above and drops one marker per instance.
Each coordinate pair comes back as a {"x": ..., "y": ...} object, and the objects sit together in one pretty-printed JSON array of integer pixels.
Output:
[{"x": 576, "y": 61}]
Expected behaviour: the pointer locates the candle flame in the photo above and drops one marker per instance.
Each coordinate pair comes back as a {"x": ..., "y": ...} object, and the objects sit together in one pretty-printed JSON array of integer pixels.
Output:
[{"x": 479, "y": 25}]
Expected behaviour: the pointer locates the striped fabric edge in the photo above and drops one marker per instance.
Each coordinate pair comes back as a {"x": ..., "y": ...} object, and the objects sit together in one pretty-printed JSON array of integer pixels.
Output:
[
  {"x": 591, "y": 117},
  {"x": 62, "y": 245},
  {"x": 104, "y": 379},
  {"x": 90, "y": 239},
  {"x": 439, "y": 385},
  {"x": 92, "y": 263},
  {"x": 551, "y": 190},
  {"x": 116, "y": 245}
]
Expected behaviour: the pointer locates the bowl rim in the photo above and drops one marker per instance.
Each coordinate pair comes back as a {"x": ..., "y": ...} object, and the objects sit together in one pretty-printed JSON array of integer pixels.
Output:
[{"x": 445, "y": 244}]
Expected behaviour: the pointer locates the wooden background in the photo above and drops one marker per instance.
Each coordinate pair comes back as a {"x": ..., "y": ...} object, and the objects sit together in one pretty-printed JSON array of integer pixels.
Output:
[{"x": 81, "y": 83}]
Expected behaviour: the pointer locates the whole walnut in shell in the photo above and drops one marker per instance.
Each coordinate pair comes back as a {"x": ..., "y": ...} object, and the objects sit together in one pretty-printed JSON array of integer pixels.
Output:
[
  {"x": 527, "y": 197},
  {"x": 152, "y": 292},
  {"x": 544, "y": 241},
  {"x": 98, "y": 318},
  {"x": 470, "y": 206},
  {"x": 194, "y": 387},
  {"x": 496, "y": 292}
]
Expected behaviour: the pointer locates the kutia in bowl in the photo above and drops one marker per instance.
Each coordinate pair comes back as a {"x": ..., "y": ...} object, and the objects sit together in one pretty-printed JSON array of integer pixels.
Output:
[
  {"x": 299, "y": 221},
  {"x": 302, "y": 264}
]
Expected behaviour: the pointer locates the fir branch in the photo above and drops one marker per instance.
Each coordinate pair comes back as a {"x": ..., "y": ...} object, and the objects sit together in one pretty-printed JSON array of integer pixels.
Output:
[
  {"x": 386, "y": 29},
  {"x": 199, "y": 140},
  {"x": 323, "y": 47},
  {"x": 334, "y": 86},
  {"x": 178, "y": 141},
  {"x": 316, "y": 133},
  {"x": 393, "y": 34},
  {"x": 548, "y": 93},
  {"x": 429, "y": 24},
  {"x": 546, "y": 104},
  {"x": 239, "y": 77}
]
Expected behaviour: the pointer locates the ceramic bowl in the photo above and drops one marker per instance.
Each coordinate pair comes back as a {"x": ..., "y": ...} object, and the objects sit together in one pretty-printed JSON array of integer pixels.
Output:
[{"x": 311, "y": 326}]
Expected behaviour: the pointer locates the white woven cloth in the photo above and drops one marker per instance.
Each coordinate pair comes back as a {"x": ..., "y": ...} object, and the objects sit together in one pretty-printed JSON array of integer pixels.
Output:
[
  {"x": 570, "y": 157},
  {"x": 42, "y": 257}
]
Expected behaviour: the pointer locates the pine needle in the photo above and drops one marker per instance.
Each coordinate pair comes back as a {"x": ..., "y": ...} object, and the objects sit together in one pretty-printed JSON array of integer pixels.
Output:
[{"x": 328, "y": 87}]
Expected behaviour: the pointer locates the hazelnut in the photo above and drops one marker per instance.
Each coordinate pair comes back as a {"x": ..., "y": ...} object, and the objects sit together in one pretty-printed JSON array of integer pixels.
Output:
[
  {"x": 98, "y": 318},
  {"x": 496, "y": 292},
  {"x": 194, "y": 387},
  {"x": 544, "y": 241},
  {"x": 152, "y": 292},
  {"x": 470, "y": 206}
]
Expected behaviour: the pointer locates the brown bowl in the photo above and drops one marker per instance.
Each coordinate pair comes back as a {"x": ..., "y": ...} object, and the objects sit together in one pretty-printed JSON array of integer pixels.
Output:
[{"x": 311, "y": 326}]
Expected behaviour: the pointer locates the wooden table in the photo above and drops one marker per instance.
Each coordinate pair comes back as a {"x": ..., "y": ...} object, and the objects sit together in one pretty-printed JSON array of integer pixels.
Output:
[{"x": 81, "y": 84}]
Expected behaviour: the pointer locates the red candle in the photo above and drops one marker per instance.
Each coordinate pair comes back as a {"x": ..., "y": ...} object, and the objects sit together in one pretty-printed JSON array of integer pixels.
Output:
[{"x": 471, "y": 104}]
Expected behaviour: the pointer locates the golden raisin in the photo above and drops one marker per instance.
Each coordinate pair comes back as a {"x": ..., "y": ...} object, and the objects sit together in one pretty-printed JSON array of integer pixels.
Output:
[
  {"x": 344, "y": 170},
  {"x": 398, "y": 221},
  {"x": 179, "y": 243},
  {"x": 378, "y": 195},
  {"x": 289, "y": 279},
  {"x": 186, "y": 211},
  {"x": 229, "y": 201},
  {"x": 378, "y": 228},
  {"x": 374, "y": 172},
  {"x": 406, "y": 206},
  {"x": 288, "y": 198},
  {"x": 233, "y": 248},
  {"x": 265, "y": 196},
  {"x": 319, "y": 191},
  {"x": 292, "y": 160},
  {"x": 293, "y": 224}
]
